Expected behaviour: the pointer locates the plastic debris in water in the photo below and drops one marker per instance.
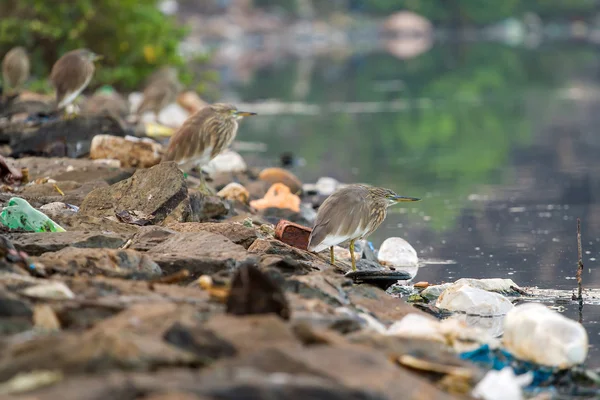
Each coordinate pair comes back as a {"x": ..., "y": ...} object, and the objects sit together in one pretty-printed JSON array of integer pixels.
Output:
[
  {"x": 19, "y": 214},
  {"x": 278, "y": 196}
]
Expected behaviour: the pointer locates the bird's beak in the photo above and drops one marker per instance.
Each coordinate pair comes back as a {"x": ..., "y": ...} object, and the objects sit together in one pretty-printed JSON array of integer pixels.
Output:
[
  {"x": 399, "y": 199},
  {"x": 98, "y": 57},
  {"x": 244, "y": 114}
]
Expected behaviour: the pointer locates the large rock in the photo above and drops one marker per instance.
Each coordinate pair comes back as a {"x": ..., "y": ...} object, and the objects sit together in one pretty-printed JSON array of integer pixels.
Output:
[
  {"x": 156, "y": 191},
  {"x": 200, "y": 253},
  {"x": 122, "y": 263},
  {"x": 38, "y": 243},
  {"x": 130, "y": 151},
  {"x": 237, "y": 233}
]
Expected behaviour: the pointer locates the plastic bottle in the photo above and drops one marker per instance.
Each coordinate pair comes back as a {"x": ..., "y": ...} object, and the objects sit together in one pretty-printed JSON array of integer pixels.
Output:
[{"x": 19, "y": 214}]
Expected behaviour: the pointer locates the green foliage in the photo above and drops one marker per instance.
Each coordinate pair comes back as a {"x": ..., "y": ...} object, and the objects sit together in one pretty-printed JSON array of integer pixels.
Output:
[{"x": 133, "y": 35}]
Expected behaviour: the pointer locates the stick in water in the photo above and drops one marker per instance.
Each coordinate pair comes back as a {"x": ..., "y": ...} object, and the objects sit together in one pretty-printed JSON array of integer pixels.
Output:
[{"x": 579, "y": 270}]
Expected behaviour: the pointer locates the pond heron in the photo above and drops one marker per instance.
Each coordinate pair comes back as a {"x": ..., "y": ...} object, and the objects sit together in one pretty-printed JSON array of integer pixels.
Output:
[
  {"x": 15, "y": 68},
  {"x": 204, "y": 135},
  {"x": 71, "y": 74},
  {"x": 351, "y": 213}
]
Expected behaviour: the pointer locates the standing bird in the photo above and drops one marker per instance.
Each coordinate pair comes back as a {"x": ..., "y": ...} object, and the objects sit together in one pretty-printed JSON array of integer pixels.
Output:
[
  {"x": 15, "y": 68},
  {"x": 71, "y": 74},
  {"x": 204, "y": 135},
  {"x": 351, "y": 213},
  {"x": 162, "y": 89}
]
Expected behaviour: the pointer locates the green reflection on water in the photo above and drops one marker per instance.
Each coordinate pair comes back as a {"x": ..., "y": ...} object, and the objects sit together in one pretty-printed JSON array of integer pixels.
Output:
[{"x": 464, "y": 112}]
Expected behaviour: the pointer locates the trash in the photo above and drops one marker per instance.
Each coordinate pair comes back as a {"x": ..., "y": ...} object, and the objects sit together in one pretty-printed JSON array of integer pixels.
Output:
[
  {"x": 18, "y": 214},
  {"x": 130, "y": 151},
  {"x": 326, "y": 186},
  {"x": 278, "y": 196},
  {"x": 227, "y": 161},
  {"x": 57, "y": 206},
  {"x": 533, "y": 332},
  {"x": 506, "y": 287},
  {"x": 254, "y": 292},
  {"x": 52, "y": 290},
  {"x": 502, "y": 385},
  {"x": 155, "y": 130},
  {"x": 473, "y": 301},
  {"x": 280, "y": 175},
  {"x": 417, "y": 326},
  {"x": 28, "y": 381},
  {"x": 293, "y": 234},
  {"x": 434, "y": 291},
  {"x": 235, "y": 192},
  {"x": 397, "y": 252},
  {"x": 190, "y": 101}
]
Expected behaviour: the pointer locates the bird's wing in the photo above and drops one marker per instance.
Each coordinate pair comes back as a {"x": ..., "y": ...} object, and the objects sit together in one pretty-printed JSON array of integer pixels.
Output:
[
  {"x": 156, "y": 96},
  {"x": 190, "y": 140},
  {"x": 69, "y": 73},
  {"x": 344, "y": 215}
]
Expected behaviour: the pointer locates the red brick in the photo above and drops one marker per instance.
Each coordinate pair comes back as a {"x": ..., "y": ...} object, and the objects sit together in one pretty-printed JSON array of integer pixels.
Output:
[{"x": 293, "y": 234}]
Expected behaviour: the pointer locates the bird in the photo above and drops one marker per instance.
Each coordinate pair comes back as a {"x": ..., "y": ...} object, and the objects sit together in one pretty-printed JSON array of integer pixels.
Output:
[
  {"x": 350, "y": 213},
  {"x": 71, "y": 74},
  {"x": 161, "y": 90},
  {"x": 106, "y": 101},
  {"x": 15, "y": 68},
  {"x": 204, "y": 135}
]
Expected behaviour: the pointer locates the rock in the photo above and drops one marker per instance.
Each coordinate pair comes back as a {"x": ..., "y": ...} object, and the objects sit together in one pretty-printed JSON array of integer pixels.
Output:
[
  {"x": 473, "y": 301},
  {"x": 533, "y": 332},
  {"x": 253, "y": 292},
  {"x": 150, "y": 236},
  {"x": 418, "y": 326},
  {"x": 69, "y": 169},
  {"x": 130, "y": 151},
  {"x": 397, "y": 252},
  {"x": 280, "y": 175},
  {"x": 48, "y": 192},
  {"x": 293, "y": 234},
  {"x": 122, "y": 263},
  {"x": 88, "y": 223},
  {"x": 433, "y": 292},
  {"x": 191, "y": 102},
  {"x": 38, "y": 243},
  {"x": 53, "y": 290},
  {"x": 10, "y": 306},
  {"x": 237, "y": 233},
  {"x": 201, "y": 253},
  {"x": 227, "y": 161},
  {"x": 157, "y": 191},
  {"x": 278, "y": 196},
  {"x": 235, "y": 192},
  {"x": 385, "y": 308},
  {"x": 205, "y": 207},
  {"x": 45, "y": 319}
]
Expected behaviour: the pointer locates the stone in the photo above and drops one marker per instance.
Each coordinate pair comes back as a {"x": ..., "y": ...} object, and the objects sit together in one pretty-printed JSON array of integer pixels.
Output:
[
  {"x": 201, "y": 253},
  {"x": 253, "y": 292},
  {"x": 52, "y": 290},
  {"x": 385, "y": 308},
  {"x": 130, "y": 151},
  {"x": 227, "y": 162},
  {"x": 235, "y": 192},
  {"x": 473, "y": 301},
  {"x": 293, "y": 234},
  {"x": 45, "y": 319},
  {"x": 148, "y": 237},
  {"x": 533, "y": 332},
  {"x": 111, "y": 262},
  {"x": 280, "y": 175},
  {"x": 155, "y": 191},
  {"x": 434, "y": 291},
  {"x": 236, "y": 232},
  {"x": 397, "y": 252},
  {"x": 37, "y": 243},
  {"x": 10, "y": 306},
  {"x": 89, "y": 224},
  {"x": 205, "y": 208}
]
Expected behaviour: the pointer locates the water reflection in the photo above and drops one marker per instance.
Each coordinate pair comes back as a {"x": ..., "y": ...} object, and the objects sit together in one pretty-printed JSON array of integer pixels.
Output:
[{"x": 501, "y": 143}]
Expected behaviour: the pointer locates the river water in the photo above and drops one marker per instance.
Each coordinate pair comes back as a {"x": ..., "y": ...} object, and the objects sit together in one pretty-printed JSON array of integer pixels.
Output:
[{"x": 501, "y": 143}]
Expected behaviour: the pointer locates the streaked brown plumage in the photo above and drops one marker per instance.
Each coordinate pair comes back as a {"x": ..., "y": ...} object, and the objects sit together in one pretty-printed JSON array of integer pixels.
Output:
[
  {"x": 71, "y": 74},
  {"x": 106, "y": 102},
  {"x": 162, "y": 90},
  {"x": 15, "y": 68},
  {"x": 204, "y": 135},
  {"x": 353, "y": 212}
]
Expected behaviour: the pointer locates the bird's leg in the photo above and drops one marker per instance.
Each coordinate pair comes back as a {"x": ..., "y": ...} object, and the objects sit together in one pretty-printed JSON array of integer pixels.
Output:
[
  {"x": 353, "y": 258},
  {"x": 332, "y": 255}
]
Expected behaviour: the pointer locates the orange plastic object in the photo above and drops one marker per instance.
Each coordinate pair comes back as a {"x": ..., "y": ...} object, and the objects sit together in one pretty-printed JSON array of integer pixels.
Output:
[{"x": 278, "y": 196}]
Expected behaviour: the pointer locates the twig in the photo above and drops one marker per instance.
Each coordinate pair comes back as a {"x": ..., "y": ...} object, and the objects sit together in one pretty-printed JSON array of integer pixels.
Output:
[
  {"x": 169, "y": 279},
  {"x": 579, "y": 270}
]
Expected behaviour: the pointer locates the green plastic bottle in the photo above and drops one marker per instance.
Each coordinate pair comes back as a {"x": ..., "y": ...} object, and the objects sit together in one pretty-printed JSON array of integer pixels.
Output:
[{"x": 19, "y": 214}]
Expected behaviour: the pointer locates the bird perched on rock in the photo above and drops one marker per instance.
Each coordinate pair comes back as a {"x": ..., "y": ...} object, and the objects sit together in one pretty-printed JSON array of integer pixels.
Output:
[
  {"x": 71, "y": 74},
  {"x": 351, "y": 213},
  {"x": 15, "y": 68},
  {"x": 162, "y": 89},
  {"x": 204, "y": 135}
]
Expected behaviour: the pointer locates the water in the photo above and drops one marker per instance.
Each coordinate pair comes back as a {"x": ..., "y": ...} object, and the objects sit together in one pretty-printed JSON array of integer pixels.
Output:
[{"x": 501, "y": 143}]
